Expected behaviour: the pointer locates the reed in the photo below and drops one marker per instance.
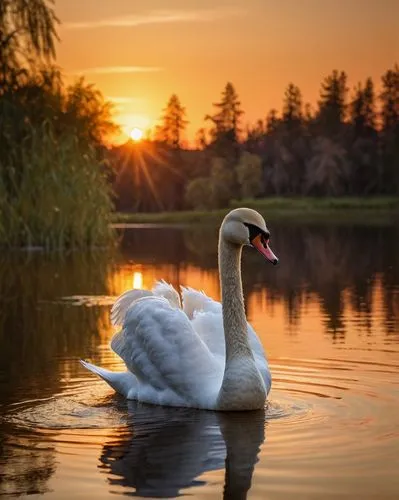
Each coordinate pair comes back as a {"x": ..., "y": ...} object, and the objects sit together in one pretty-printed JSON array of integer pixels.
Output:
[{"x": 53, "y": 193}]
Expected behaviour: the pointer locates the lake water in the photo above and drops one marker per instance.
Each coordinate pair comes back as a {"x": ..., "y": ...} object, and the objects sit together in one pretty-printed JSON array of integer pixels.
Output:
[{"x": 328, "y": 317}]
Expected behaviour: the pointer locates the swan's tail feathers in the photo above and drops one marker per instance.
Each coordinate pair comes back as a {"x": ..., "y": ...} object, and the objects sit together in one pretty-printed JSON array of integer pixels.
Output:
[
  {"x": 123, "y": 382},
  {"x": 123, "y": 302}
]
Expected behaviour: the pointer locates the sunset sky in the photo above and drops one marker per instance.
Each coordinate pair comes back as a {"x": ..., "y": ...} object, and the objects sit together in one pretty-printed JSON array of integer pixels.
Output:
[{"x": 139, "y": 53}]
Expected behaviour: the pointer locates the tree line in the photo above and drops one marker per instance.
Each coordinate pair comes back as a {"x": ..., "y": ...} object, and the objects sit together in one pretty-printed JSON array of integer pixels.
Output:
[{"x": 347, "y": 145}]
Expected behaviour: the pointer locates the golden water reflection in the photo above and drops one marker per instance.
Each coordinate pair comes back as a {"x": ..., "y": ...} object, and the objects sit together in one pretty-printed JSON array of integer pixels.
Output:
[
  {"x": 311, "y": 324},
  {"x": 329, "y": 314}
]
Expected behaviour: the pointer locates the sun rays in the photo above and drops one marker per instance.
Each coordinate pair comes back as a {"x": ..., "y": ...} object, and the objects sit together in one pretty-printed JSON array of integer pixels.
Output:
[{"x": 148, "y": 171}]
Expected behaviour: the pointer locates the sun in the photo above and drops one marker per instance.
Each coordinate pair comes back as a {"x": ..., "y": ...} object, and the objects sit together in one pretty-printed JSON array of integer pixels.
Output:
[{"x": 136, "y": 134}]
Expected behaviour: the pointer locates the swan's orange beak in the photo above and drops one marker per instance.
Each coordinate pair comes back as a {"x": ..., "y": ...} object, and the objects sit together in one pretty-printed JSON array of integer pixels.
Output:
[{"x": 262, "y": 245}]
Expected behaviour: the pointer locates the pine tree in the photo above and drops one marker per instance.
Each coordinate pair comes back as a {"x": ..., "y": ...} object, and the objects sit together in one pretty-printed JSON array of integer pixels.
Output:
[
  {"x": 390, "y": 99},
  {"x": 272, "y": 121},
  {"x": 332, "y": 104},
  {"x": 227, "y": 119},
  {"x": 390, "y": 130},
  {"x": 362, "y": 107},
  {"x": 363, "y": 146},
  {"x": 369, "y": 104},
  {"x": 173, "y": 124},
  {"x": 292, "y": 106},
  {"x": 357, "y": 108}
]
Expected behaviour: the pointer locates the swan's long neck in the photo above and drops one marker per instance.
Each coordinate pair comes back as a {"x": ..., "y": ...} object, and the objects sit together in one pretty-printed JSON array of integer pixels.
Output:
[
  {"x": 234, "y": 320},
  {"x": 242, "y": 386}
]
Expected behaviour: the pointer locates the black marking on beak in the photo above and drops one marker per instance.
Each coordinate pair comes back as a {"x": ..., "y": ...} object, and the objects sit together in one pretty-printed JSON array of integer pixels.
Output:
[{"x": 254, "y": 231}]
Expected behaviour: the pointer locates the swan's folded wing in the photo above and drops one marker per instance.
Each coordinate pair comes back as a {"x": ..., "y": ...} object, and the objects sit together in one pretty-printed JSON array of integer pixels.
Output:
[
  {"x": 195, "y": 301},
  {"x": 209, "y": 326},
  {"x": 123, "y": 302},
  {"x": 163, "y": 289},
  {"x": 160, "y": 346}
]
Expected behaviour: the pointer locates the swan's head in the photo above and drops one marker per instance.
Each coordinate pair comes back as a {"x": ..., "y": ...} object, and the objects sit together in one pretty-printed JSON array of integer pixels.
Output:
[{"x": 244, "y": 226}]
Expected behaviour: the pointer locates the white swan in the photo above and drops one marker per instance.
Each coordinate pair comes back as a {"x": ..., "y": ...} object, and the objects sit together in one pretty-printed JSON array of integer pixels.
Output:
[{"x": 204, "y": 354}]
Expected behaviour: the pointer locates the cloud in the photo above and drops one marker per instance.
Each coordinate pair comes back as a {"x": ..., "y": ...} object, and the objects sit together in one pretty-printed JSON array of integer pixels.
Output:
[
  {"x": 154, "y": 17},
  {"x": 108, "y": 70}
]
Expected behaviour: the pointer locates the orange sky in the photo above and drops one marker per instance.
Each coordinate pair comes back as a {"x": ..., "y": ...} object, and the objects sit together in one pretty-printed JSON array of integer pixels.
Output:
[{"x": 139, "y": 53}]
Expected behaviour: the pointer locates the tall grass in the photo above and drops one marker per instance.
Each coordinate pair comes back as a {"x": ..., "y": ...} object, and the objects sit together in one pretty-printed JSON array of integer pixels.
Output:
[{"x": 52, "y": 194}]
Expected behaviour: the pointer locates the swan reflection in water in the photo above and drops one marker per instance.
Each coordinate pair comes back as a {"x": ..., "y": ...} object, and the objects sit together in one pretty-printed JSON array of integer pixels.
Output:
[{"x": 165, "y": 449}]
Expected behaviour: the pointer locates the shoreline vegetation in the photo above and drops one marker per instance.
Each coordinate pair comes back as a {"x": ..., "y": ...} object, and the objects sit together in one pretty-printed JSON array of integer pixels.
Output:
[{"x": 377, "y": 209}]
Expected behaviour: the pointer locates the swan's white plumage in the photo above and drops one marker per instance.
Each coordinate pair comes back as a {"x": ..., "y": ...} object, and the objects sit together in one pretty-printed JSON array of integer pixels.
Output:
[
  {"x": 121, "y": 382},
  {"x": 160, "y": 346},
  {"x": 166, "y": 290},
  {"x": 122, "y": 304},
  {"x": 124, "y": 301},
  {"x": 195, "y": 301},
  {"x": 177, "y": 355},
  {"x": 192, "y": 352}
]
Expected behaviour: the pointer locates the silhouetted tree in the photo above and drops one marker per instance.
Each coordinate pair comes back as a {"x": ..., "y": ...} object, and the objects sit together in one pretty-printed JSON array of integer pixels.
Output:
[
  {"x": 292, "y": 106},
  {"x": 308, "y": 114},
  {"x": 272, "y": 121},
  {"x": 390, "y": 130},
  {"x": 390, "y": 99},
  {"x": 362, "y": 107},
  {"x": 332, "y": 103},
  {"x": 363, "y": 146},
  {"x": 174, "y": 123},
  {"x": 226, "y": 121},
  {"x": 254, "y": 142},
  {"x": 170, "y": 133}
]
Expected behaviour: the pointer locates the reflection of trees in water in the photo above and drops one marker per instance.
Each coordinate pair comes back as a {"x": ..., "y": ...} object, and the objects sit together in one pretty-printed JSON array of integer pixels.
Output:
[
  {"x": 154, "y": 244},
  {"x": 202, "y": 245},
  {"x": 390, "y": 285},
  {"x": 26, "y": 465},
  {"x": 35, "y": 331},
  {"x": 330, "y": 261},
  {"x": 322, "y": 260},
  {"x": 166, "y": 449}
]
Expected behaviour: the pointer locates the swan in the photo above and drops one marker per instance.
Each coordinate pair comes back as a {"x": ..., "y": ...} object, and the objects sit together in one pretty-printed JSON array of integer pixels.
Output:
[{"x": 196, "y": 352}]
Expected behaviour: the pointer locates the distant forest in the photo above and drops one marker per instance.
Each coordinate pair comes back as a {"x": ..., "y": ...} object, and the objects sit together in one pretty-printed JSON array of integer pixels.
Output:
[{"x": 347, "y": 145}]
